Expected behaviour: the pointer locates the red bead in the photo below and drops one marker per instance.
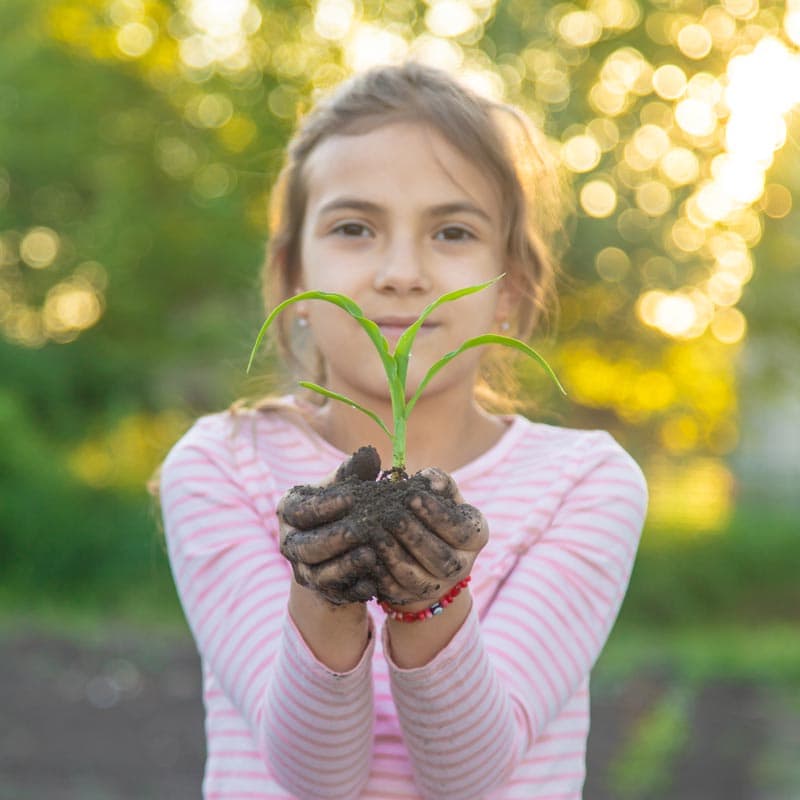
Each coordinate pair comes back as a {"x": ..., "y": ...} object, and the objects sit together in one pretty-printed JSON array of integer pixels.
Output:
[{"x": 426, "y": 613}]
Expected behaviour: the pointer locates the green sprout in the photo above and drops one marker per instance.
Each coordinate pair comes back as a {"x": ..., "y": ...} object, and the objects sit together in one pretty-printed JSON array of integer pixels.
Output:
[{"x": 395, "y": 363}]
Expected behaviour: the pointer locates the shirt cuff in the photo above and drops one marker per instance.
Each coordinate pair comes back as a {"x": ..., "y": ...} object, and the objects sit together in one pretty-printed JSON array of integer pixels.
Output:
[
  {"x": 448, "y": 659},
  {"x": 310, "y": 666}
]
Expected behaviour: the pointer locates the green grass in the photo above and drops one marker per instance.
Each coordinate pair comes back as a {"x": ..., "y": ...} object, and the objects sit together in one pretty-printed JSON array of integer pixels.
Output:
[
  {"x": 746, "y": 574},
  {"x": 763, "y": 653},
  {"x": 644, "y": 767}
]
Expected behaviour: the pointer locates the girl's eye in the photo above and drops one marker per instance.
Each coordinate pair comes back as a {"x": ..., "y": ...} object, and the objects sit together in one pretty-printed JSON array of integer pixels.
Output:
[
  {"x": 352, "y": 229},
  {"x": 454, "y": 233}
]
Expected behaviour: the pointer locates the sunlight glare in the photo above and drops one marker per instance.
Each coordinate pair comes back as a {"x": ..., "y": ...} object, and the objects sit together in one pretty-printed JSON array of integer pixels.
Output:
[
  {"x": 696, "y": 117},
  {"x": 675, "y": 314},
  {"x": 222, "y": 29},
  {"x": 791, "y": 24},
  {"x": 437, "y": 52},
  {"x": 370, "y": 45},
  {"x": 483, "y": 82},
  {"x": 739, "y": 178},
  {"x": 755, "y": 129},
  {"x": 450, "y": 18},
  {"x": 219, "y": 18},
  {"x": 680, "y": 315},
  {"x": 333, "y": 18}
]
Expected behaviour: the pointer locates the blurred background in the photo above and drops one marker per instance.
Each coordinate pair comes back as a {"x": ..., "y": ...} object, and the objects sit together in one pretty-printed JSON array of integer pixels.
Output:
[{"x": 138, "y": 142}]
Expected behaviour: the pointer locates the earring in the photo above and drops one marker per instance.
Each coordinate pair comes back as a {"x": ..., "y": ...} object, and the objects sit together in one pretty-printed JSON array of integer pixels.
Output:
[
  {"x": 504, "y": 326},
  {"x": 302, "y": 322}
]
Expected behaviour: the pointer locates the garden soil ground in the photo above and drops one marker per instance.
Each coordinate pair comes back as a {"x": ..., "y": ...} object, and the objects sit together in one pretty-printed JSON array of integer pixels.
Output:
[{"x": 119, "y": 717}]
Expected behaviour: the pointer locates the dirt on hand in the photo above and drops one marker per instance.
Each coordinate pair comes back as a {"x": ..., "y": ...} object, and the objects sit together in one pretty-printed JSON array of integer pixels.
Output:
[{"x": 381, "y": 501}]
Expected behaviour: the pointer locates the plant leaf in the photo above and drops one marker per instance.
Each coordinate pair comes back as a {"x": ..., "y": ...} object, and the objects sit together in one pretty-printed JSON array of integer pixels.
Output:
[
  {"x": 402, "y": 349},
  {"x": 478, "y": 341},
  {"x": 341, "y": 398},
  {"x": 344, "y": 302}
]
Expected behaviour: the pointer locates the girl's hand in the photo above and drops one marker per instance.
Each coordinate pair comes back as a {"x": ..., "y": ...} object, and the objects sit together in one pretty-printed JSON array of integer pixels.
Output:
[
  {"x": 426, "y": 551},
  {"x": 327, "y": 553}
]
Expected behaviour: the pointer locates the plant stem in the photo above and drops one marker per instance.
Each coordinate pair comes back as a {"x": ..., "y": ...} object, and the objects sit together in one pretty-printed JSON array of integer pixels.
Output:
[
  {"x": 399, "y": 442},
  {"x": 399, "y": 418}
]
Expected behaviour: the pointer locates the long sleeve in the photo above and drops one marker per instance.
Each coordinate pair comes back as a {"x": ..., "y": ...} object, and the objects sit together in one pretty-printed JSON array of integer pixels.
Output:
[
  {"x": 218, "y": 503},
  {"x": 473, "y": 714},
  {"x": 501, "y": 713}
]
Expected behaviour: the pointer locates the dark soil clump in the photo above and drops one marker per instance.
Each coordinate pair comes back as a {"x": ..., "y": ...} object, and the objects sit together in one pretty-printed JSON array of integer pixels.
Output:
[{"x": 380, "y": 505}]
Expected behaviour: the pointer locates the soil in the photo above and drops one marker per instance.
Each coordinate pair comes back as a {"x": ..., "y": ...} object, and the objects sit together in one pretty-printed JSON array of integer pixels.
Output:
[
  {"x": 119, "y": 717},
  {"x": 380, "y": 504}
]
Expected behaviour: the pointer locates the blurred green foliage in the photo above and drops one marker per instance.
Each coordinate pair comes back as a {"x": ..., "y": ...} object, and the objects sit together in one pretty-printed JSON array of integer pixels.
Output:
[{"x": 134, "y": 176}]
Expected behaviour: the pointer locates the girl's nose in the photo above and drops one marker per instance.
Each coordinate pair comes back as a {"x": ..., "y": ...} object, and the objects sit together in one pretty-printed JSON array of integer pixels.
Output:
[{"x": 401, "y": 269}]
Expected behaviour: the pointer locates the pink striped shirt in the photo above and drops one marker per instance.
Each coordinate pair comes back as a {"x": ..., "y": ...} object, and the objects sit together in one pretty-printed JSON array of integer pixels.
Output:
[{"x": 502, "y": 712}]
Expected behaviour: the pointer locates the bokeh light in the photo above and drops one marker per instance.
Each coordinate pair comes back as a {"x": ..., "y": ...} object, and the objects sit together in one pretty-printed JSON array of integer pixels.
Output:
[
  {"x": 581, "y": 153},
  {"x": 666, "y": 121},
  {"x": 39, "y": 247},
  {"x": 450, "y": 18},
  {"x": 369, "y": 44},
  {"x": 334, "y": 18},
  {"x": 598, "y": 198}
]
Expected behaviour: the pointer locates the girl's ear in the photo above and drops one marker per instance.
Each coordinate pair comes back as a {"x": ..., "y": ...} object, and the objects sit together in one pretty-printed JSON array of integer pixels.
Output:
[
  {"x": 507, "y": 299},
  {"x": 301, "y": 309}
]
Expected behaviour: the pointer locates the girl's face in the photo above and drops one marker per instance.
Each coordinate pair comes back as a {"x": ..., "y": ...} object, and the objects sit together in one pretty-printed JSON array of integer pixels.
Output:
[{"x": 395, "y": 218}]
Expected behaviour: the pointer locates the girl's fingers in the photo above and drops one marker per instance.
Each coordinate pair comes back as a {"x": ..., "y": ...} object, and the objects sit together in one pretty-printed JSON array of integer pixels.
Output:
[
  {"x": 304, "y": 508},
  {"x": 390, "y": 590},
  {"x": 460, "y": 525},
  {"x": 307, "y": 507},
  {"x": 415, "y": 582},
  {"x": 434, "y": 553},
  {"x": 442, "y": 484},
  {"x": 320, "y": 544},
  {"x": 341, "y": 577}
]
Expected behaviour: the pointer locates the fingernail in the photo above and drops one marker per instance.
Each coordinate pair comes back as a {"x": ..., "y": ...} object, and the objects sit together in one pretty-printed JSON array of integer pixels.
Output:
[{"x": 415, "y": 502}]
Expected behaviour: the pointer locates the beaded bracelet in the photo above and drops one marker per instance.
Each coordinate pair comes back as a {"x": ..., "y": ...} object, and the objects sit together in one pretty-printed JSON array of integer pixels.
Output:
[{"x": 426, "y": 613}]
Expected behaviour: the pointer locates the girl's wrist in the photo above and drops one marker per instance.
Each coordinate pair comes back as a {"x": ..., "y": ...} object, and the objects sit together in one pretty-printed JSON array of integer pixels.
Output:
[
  {"x": 417, "y": 612},
  {"x": 307, "y": 599},
  {"x": 337, "y": 635},
  {"x": 413, "y": 645}
]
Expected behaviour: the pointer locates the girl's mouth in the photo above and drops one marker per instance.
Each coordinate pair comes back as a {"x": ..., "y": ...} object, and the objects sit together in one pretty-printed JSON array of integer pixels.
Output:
[{"x": 394, "y": 327}]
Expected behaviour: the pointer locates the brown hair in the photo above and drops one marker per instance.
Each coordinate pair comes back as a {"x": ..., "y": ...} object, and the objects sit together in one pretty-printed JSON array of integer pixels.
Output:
[{"x": 499, "y": 138}]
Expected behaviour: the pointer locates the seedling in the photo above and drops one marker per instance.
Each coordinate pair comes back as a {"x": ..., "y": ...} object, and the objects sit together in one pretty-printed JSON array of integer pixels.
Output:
[{"x": 395, "y": 363}]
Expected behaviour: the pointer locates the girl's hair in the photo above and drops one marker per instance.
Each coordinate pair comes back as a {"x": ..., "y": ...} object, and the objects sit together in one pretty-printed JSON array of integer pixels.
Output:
[{"x": 498, "y": 138}]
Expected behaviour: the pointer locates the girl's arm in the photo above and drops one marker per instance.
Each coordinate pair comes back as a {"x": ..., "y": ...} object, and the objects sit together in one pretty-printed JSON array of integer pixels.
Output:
[
  {"x": 219, "y": 516},
  {"x": 471, "y": 713}
]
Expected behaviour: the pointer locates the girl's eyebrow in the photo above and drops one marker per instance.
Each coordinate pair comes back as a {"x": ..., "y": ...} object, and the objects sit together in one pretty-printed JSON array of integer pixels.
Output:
[{"x": 441, "y": 210}]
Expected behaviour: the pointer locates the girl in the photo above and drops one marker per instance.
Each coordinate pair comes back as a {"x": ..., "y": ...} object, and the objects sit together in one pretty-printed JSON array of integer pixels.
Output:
[{"x": 398, "y": 188}]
